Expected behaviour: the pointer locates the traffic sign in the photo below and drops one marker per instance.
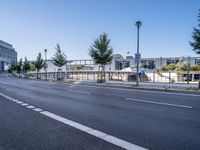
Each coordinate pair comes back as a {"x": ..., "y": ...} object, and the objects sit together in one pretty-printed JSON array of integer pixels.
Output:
[{"x": 137, "y": 57}]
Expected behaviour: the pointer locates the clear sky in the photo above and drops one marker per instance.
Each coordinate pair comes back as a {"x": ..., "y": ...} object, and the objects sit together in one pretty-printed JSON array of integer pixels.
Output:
[{"x": 33, "y": 25}]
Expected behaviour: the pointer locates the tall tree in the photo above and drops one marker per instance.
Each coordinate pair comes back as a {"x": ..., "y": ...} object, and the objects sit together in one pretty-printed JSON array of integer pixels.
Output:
[
  {"x": 59, "y": 59},
  {"x": 12, "y": 67},
  {"x": 26, "y": 65},
  {"x": 19, "y": 66},
  {"x": 101, "y": 52},
  {"x": 196, "y": 37},
  {"x": 39, "y": 63}
]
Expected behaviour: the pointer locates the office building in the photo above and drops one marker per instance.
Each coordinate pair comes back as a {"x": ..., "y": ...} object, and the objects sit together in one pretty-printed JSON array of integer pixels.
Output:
[{"x": 8, "y": 55}]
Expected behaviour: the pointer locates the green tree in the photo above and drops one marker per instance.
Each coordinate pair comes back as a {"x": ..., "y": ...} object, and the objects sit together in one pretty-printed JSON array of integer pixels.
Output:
[
  {"x": 196, "y": 37},
  {"x": 26, "y": 65},
  {"x": 143, "y": 65},
  {"x": 39, "y": 63},
  {"x": 59, "y": 58},
  {"x": 168, "y": 67},
  {"x": 101, "y": 52},
  {"x": 78, "y": 68},
  {"x": 196, "y": 68},
  {"x": 183, "y": 66},
  {"x": 12, "y": 67},
  {"x": 32, "y": 67},
  {"x": 19, "y": 66}
]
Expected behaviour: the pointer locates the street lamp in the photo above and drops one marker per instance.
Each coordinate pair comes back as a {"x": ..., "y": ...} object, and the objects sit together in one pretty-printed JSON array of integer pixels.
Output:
[
  {"x": 45, "y": 50},
  {"x": 137, "y": 55}
]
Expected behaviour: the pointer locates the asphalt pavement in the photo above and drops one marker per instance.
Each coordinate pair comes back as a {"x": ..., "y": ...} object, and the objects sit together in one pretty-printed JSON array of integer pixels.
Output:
[{"x": 72, "y": 112}]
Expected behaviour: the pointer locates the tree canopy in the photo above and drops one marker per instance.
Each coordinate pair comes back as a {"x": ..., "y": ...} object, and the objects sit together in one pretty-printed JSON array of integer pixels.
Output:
[
  {"x": 59, "y": 59},
  {"x": 196, "y": 37},
  {"x": 26, "y": 65},
  {"x": 101, "y": 51},
  {"x": 39, "y": 63}
]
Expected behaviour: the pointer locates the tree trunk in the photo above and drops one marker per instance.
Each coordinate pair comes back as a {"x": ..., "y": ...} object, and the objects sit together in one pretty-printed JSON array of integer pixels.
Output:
[
  {"x": 37, "y": 73},
  {"x": 101, "y": 72}
]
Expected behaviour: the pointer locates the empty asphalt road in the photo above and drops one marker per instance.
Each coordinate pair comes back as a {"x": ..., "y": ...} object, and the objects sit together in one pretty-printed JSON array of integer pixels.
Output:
[{"x": 57, "y": 116}]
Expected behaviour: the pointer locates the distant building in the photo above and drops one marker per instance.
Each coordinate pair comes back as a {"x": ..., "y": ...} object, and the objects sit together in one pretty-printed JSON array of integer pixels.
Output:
[
  {"x": 8, "y": 55},
  {"x": 121, "y": 63}
]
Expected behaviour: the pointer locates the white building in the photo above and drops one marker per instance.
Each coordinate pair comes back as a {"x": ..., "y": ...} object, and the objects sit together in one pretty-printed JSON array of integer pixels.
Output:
[{"x": 120, "y": 63}]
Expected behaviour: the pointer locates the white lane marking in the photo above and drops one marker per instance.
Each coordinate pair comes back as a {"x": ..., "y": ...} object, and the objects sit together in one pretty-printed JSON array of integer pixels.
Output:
[
  {"x": 96, "y": 133},
  {"x": 16, "y": 101},
  {"x": 20, "y": 102},
  {"x": 38, "y": 109},
  {"x": 12, "y": 99},
  {"x": 159, "y": 103},
  {"x": 30, "y": 107},
  {"x": 24, "y": 104},
  {"x": 144, "y": 91},
  {"x": 79, "y": 92}
]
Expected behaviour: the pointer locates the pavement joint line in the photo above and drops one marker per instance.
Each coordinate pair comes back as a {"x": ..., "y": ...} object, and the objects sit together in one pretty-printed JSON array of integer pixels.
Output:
[
  {"x": 159, "y": 103},
  {"x": 101, "y": 135},
  {"x": 79, "y": 92}
]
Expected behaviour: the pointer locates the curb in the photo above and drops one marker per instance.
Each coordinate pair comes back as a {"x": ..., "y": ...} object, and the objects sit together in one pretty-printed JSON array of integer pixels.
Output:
[{"x": 144, "y": 88}]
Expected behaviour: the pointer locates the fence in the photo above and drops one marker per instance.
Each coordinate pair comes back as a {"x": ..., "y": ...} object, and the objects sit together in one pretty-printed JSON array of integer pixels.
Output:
[
  {"x": 174, "y": 77},
  {"x": 155, "y": 77},
  {"x": 83, "y": 75}
]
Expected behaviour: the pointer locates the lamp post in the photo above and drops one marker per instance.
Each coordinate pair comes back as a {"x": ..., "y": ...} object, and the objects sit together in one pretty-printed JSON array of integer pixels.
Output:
[
  {"x": 137, "y": 55},
  {"x": 45, "y": 50}
]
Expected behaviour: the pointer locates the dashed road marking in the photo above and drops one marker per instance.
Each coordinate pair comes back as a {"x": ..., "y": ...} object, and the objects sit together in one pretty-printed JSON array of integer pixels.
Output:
[
  {"x": 104, "y": 136},
  {"x": 159, "y": 103},
  {"x": 38, "y": 109},
  {"x": 99, "y": 134},
  {"x": 19, "y": 102},
  {"x": 24, "y": 104},
  {"x": 79, "y": 92},
  {"x": 30, "y": 107}
]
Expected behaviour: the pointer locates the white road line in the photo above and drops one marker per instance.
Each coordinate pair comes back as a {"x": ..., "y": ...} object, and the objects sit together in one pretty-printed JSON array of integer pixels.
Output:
[
  {"x": 12, "y": 99},
  {"x": 38, "y": 109},
  {"x": 159, "y": 103},
  {"x": 20, "y": 102},
  {"x": 144, "y": 91},
  {"x": 30, "y": 107},
  {"x": 16, "y": 101},
  {"x": 96, "y": 133},
  {"x": 24, "y": 104},
  {"x": 79, "y": 92}
]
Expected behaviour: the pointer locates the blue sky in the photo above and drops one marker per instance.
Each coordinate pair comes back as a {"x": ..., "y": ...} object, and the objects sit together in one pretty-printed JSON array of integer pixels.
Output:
[{"x": 33, "y": 25}]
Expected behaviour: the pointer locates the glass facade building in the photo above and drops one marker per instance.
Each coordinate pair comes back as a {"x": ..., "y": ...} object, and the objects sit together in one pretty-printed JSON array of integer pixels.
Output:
[{"x": 8, "y": 55}]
